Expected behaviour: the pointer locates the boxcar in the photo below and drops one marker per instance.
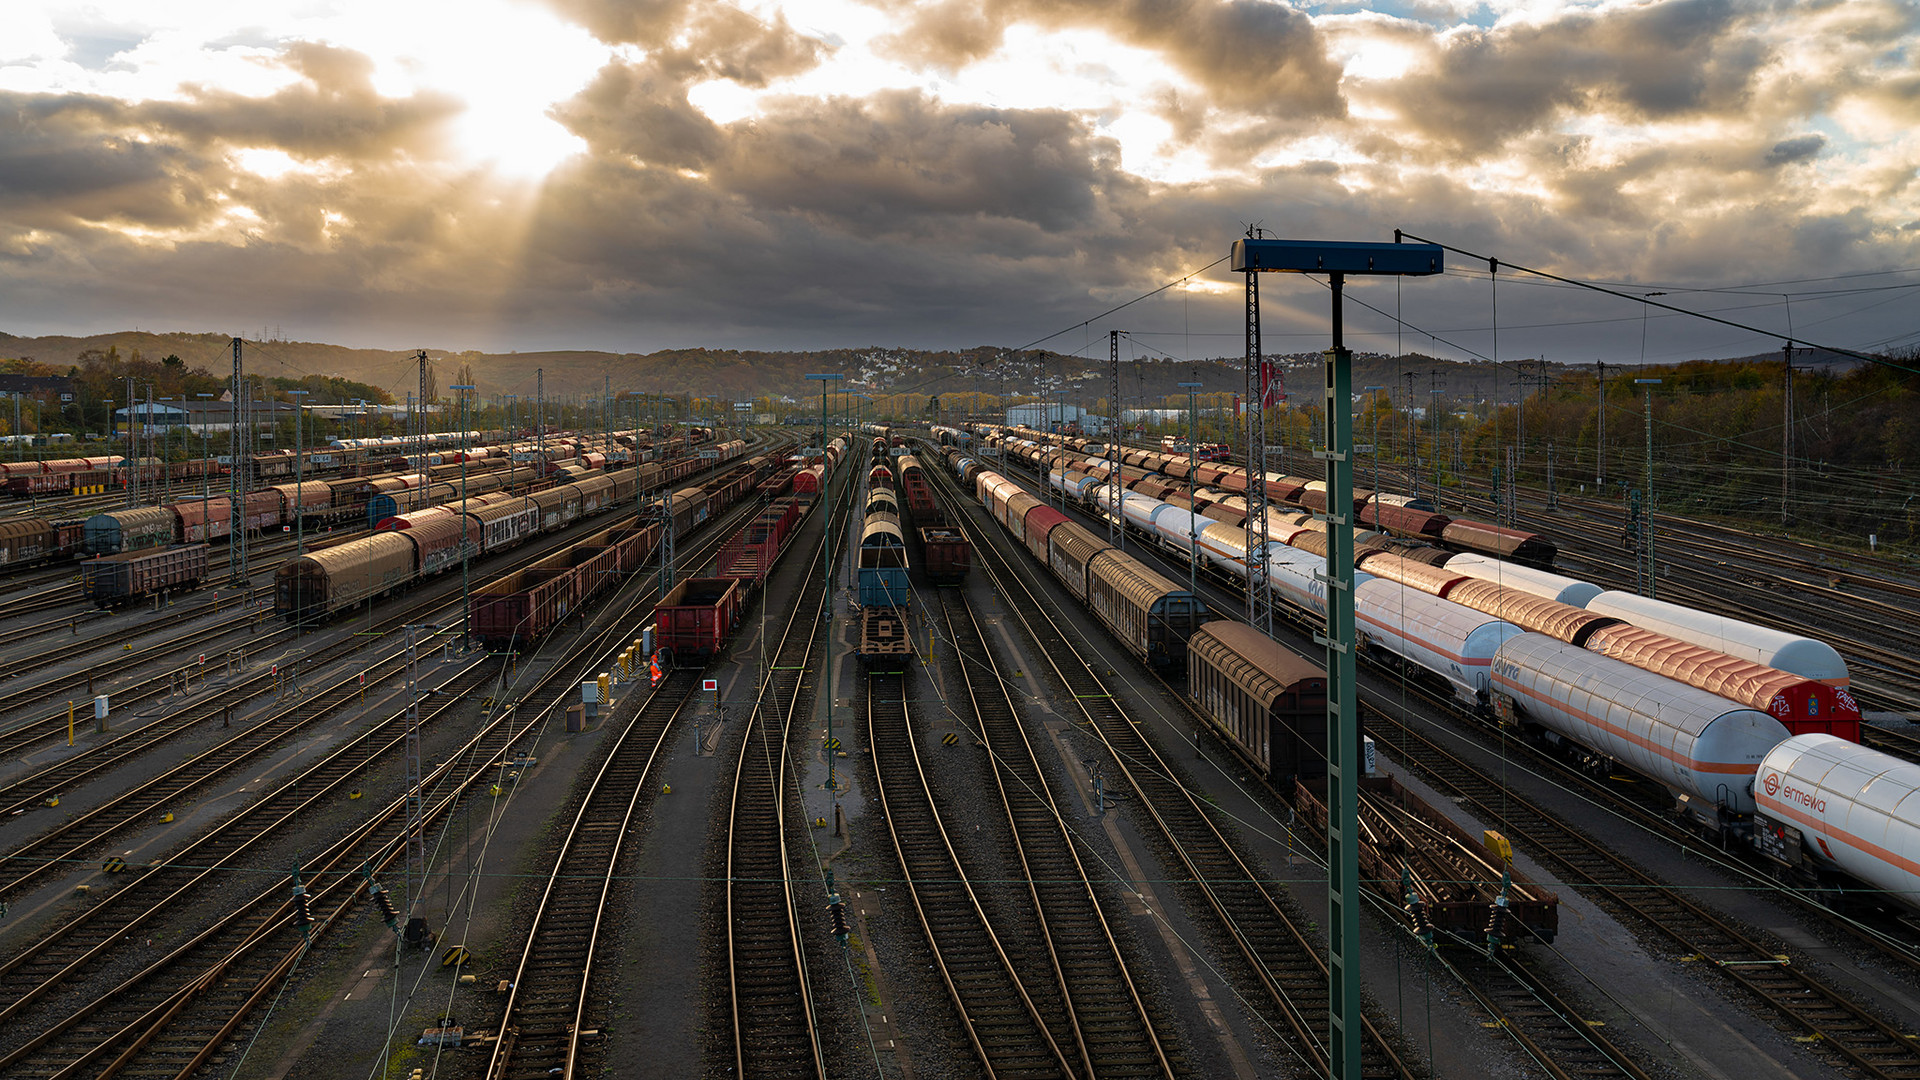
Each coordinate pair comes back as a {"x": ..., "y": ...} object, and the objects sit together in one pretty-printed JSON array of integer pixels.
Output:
[
  {"x": 693, "y": 620},
  {"x": 113, "y": 580},
  {"x": 506, "y": 523},
  {"x": 1041, "y": 521},
  {"x": 312, "y": 499},
  {"x": 203, "y": 520},
  {"x": 26, "y": 540},
  {"x": 1501, "y": 542},
  {"x": 558, "y": 506},
  {"x": 1404, "y": 520},
  {"x": 338, "y": 577},
  {"x": 116, "y": 531},
  {"x": 1152, "y": 616},
  {"x": 690, "y": 508},
  {"x": 1069, "y": 549},
  {"x": 440, "y": 542},
  {"x": 1266, "y": 699}
]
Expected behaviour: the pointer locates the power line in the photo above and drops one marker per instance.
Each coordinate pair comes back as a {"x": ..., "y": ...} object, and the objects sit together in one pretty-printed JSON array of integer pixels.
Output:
[{"x": 1787, "y": 338}]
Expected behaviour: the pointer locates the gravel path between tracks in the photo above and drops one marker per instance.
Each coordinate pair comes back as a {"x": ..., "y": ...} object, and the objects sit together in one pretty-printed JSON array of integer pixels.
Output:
[{"x": 334, "y": 1018}]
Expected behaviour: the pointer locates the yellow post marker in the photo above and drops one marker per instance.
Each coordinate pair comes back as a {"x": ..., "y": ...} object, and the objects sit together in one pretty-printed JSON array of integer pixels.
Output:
[{"x": 1499, "y": 847}]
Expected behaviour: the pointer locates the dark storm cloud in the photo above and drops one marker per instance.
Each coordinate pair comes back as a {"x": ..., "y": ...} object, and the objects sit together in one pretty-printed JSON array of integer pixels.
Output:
[
  {"x": 1798, "y": 148},
  {"x": 1668, "y": 60},
  {"x": 850, "y": 211},
  {"x": 1249, "y": 55},
  {"x": 885, "y": 163}
]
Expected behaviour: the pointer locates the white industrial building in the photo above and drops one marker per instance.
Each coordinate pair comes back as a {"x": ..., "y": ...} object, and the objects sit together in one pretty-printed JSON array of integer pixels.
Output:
[{"x": 1049, "y": 416}]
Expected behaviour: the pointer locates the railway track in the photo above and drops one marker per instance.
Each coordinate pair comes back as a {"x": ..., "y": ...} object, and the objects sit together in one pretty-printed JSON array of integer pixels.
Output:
[
  {"x": 226, "y": 972},
  {"x": 775, "y": 1032},
  {"x": 551, "y": 1007},
  {"x": 1519, "y": 999},
  {"x": 1010, "y": 1028},
  {"x": 1691, "y": 931},
  {"x": 1246, "y": 907},
  {"x": 115, "y": 1018},
  {"x": 1104, "y": 1018}
]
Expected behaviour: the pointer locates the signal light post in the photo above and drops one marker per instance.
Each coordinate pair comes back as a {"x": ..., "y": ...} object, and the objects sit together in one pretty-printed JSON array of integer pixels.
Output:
[
  {"x": 1193, "y": 540},
  {"x": 1646, "y": 540},
  {"x": 826, "y": 560}
]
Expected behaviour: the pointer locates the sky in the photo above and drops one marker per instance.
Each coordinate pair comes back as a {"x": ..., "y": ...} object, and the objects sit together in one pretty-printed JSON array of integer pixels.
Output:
[{"x": 795, "y": 174}]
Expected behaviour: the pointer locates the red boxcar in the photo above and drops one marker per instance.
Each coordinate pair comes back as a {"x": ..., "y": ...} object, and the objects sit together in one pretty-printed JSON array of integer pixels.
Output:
[
  {"x": 692, "y": 622},
  {"x": 1402, "y": 521},
  {"x": 1040, "y": 522}
]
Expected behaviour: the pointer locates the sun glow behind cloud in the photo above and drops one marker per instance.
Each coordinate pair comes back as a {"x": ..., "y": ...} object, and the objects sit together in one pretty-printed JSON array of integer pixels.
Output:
[{"x": 506, "y": 61}]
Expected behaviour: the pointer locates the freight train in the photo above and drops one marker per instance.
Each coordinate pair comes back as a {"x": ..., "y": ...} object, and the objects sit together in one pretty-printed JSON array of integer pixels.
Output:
[
  {"x": 336, "y": 578},
  {"x": 1698, "y": 703},
  {"x": 1219, "y": 490},
  {"x": 1264, "y": 695},
  {"x": 1151, "y": 616},
  {"x": 885, "y": 594}
]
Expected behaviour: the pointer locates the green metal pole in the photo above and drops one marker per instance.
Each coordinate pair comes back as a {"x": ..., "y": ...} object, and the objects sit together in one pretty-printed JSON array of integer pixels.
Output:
[{"x": 1343, "y": 725}]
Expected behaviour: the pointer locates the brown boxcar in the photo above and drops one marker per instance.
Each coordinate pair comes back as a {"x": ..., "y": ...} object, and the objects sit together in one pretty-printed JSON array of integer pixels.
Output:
[
  {"x": 203, "y": 520},
  {"x": 1529, "y": 549},
  {"x": 122, "y": 579},
  {"x": 1040, "y": 524},
  {"x": 441, "y": 541},
  {"x": 1069, "y": 549},
  {"x": 1402, "y": 521},
  {"x": 1267, "y": 700},
  {"x": 1150, "y": 615},
  {"x": 26, "y": 540},
  {"x": 557, "y": 506},
  {"x": 336, "y": 578}
]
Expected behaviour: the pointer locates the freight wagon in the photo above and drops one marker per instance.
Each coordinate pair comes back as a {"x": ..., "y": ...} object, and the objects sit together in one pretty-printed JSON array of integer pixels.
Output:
[
  {"x": 693, "y": 621},
  {"x": 113, "y": 580}
]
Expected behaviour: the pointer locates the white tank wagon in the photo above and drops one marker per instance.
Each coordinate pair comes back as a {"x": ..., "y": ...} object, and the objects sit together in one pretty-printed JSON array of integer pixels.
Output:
[
  {"x": 1803, "y": 656},
  {"x": 1702, "y": 747},
  {"x": 1525, "y": 578},
  {"x": 1824, "y": 803},
  {"x": 1451, "y": 640}
]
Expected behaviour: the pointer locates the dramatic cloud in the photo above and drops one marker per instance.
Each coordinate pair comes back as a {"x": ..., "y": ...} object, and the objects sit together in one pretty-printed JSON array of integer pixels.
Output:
[{"x": 945, "y": 173}]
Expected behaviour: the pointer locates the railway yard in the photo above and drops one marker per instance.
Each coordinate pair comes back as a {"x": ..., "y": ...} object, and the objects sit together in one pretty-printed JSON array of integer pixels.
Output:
[{"x": 915, "y": 755}]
